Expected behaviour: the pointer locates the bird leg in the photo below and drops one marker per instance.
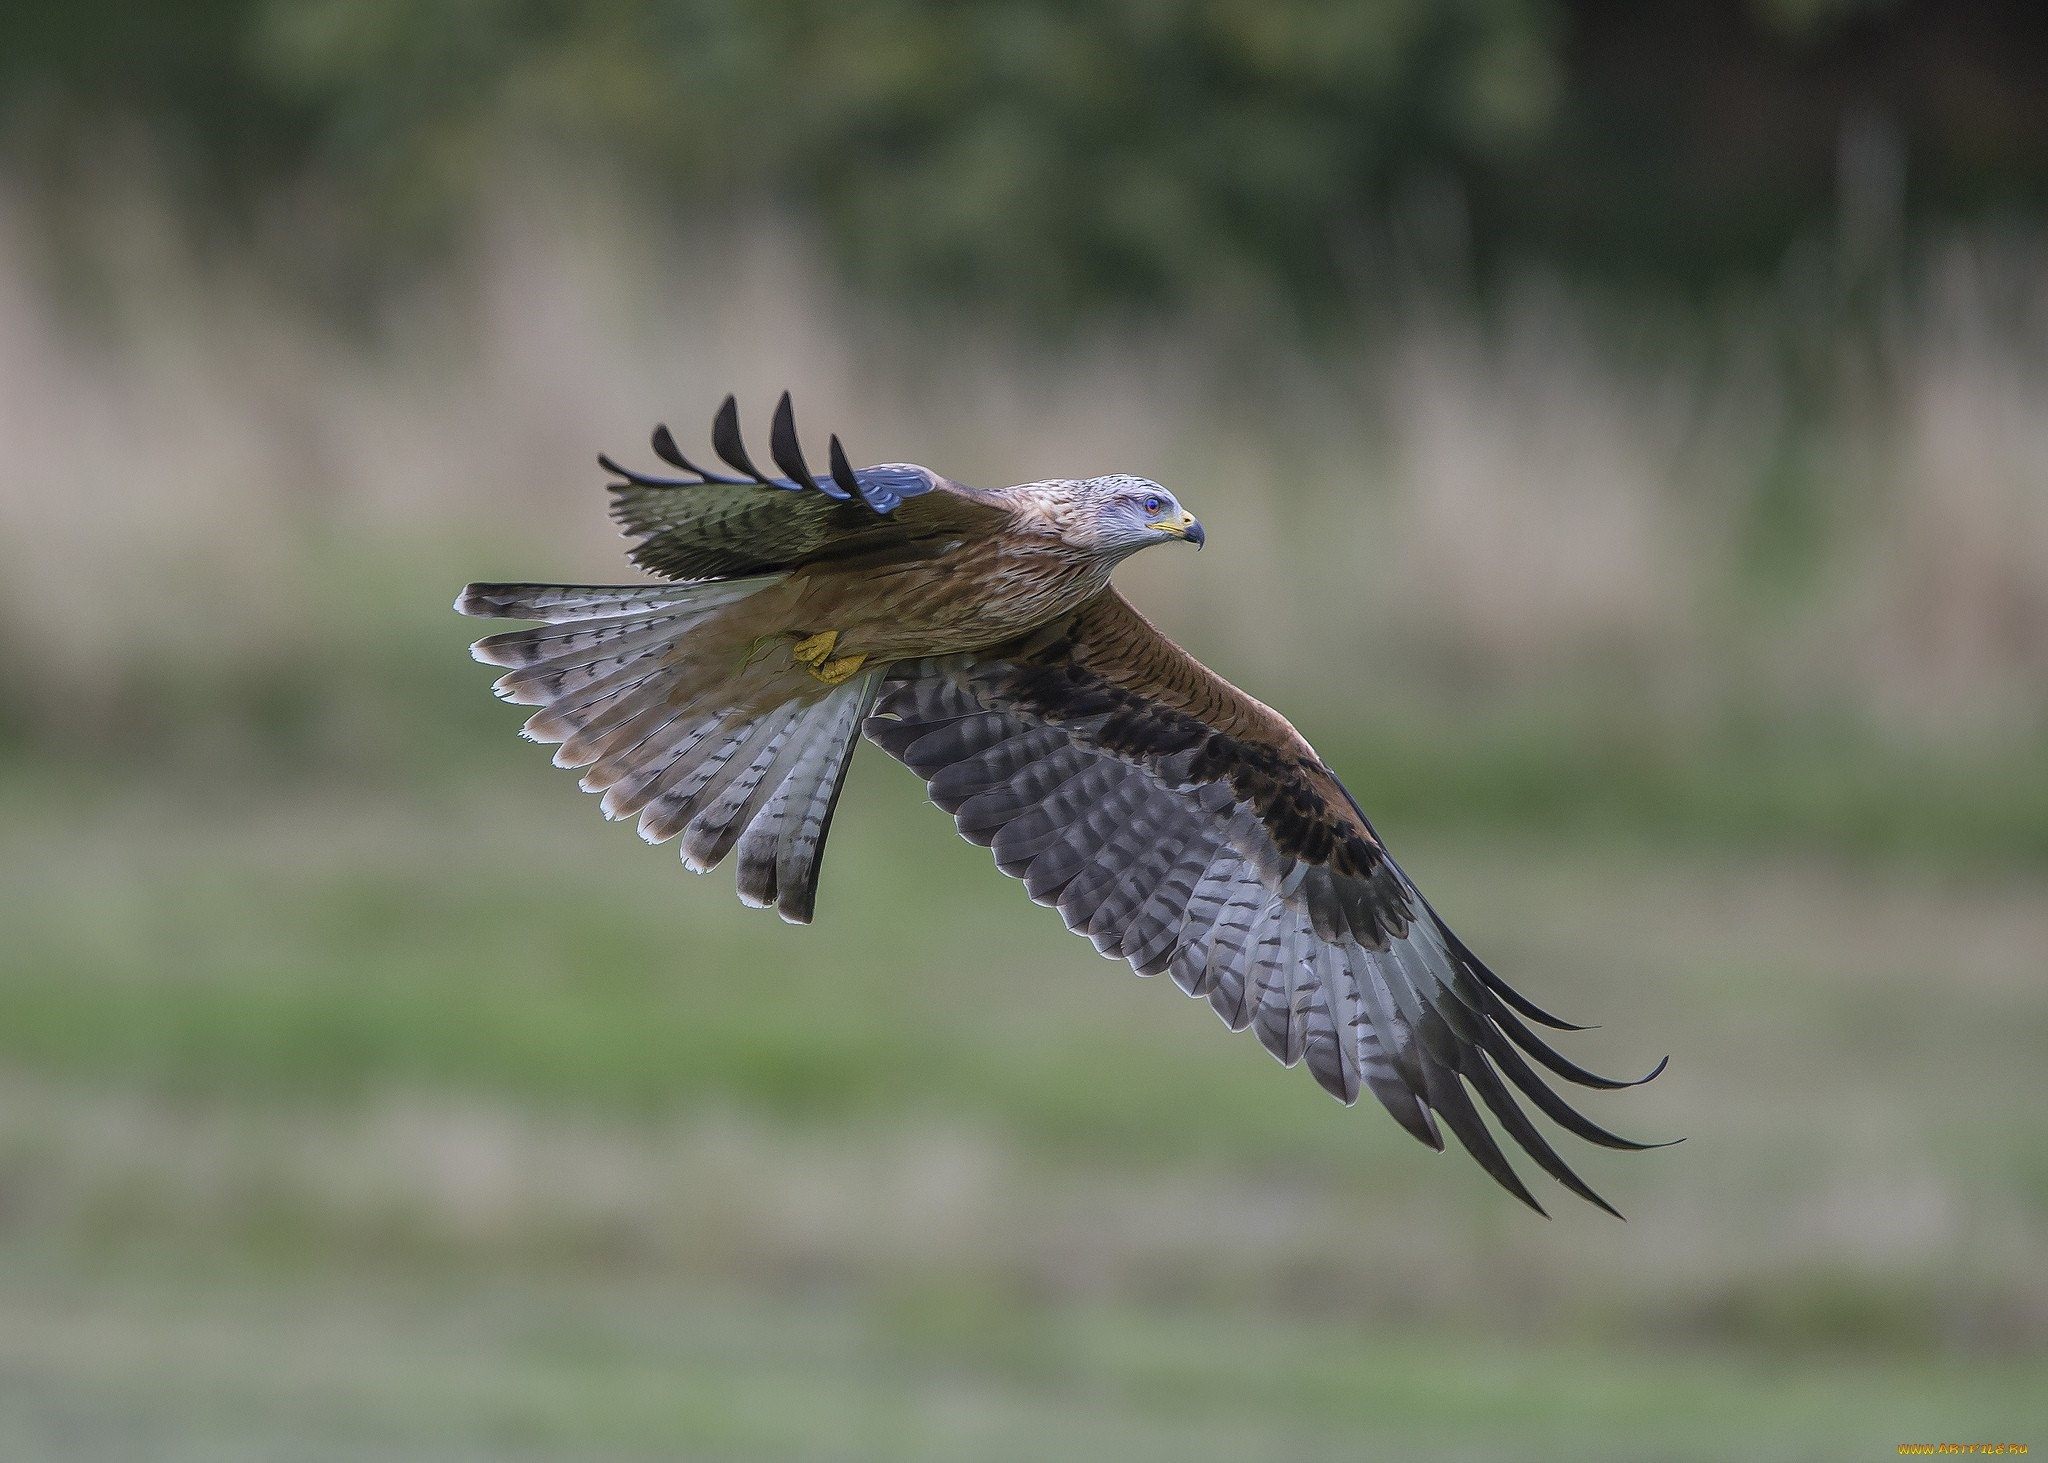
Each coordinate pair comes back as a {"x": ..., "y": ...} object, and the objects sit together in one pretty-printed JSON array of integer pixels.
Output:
[
  {"x": 812, "y": 649},
  {"x": 815, "y": 651},
  {"x": 832, "y": 672}
]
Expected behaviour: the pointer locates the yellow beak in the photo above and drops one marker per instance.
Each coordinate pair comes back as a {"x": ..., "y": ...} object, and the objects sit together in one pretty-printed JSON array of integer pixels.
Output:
[{"x": 1187, "y": 526}]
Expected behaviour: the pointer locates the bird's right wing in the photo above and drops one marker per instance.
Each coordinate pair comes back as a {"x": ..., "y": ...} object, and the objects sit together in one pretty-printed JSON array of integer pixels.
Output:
[
  {"x": 707, "y": 524},
  {"x": 1183, "y": 826}
]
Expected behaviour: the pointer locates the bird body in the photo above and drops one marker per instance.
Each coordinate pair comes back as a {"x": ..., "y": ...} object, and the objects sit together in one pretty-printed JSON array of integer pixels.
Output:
[
  {"x": 974, "y": 635},
  {"x": 912, "y": 606}
]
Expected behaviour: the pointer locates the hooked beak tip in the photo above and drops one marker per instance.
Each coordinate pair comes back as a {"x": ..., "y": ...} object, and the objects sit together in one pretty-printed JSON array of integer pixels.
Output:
[{"x": 1195, "y": 534}]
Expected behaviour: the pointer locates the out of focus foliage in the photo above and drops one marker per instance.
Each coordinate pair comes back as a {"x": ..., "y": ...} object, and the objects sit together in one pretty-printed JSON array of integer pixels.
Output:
[
  {"x": 1052, "y": 158},
  {"x": 1057, "y": 155}
]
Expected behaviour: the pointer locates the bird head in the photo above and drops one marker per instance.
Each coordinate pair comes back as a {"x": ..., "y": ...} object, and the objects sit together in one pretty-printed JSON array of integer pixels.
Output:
[{"x": 1117, "y": 516}]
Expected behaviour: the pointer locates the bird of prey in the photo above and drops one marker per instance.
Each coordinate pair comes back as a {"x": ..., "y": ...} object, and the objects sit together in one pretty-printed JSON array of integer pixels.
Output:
[{"x": 975, "y": 636}]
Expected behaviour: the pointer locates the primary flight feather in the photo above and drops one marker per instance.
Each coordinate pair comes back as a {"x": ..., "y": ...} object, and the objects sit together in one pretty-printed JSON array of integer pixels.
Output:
[{"x": 974, "y": 635}]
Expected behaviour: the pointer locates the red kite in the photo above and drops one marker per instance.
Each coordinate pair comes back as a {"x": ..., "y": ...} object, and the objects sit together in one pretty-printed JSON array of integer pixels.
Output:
[{"x": 974, "y": 635}]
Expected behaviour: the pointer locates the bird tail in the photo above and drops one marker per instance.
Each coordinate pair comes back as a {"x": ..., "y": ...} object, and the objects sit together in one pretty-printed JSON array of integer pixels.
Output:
[{"x": 689, "y": 744}]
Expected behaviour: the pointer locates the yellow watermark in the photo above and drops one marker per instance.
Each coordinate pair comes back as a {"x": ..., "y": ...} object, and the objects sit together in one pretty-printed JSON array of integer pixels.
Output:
[{"x": 1946, "y": 1450}]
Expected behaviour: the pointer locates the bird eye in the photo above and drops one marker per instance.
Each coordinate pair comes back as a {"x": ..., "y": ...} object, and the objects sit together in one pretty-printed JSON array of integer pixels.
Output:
[{"x": 1152, "y": 505}]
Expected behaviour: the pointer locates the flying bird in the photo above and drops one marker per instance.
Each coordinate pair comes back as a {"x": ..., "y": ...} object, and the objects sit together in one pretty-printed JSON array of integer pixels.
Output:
[{"x": 974, "y": 635}]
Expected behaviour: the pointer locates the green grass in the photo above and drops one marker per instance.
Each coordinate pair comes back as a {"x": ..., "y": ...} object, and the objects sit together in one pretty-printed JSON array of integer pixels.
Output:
[
  {"x": 331, "y": 1366},
  {"x": 440, "y": 1120}
]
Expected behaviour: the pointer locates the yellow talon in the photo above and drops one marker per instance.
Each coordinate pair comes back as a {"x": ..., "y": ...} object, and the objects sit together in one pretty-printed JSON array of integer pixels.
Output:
[
  {"x": 832, "y": 672},
  {"x": 813, "y": 649}
]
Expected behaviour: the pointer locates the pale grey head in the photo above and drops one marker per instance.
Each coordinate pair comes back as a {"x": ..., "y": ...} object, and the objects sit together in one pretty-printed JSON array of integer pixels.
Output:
[{"x": 1116, "y": 516}]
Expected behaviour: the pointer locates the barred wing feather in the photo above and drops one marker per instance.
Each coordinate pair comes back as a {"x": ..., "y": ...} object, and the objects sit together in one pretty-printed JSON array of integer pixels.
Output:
[{"x": 1184, "y": 827}]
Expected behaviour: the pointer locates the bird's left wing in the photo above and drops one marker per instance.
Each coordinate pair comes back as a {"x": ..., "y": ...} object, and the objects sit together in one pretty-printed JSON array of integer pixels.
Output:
[
  {"x": 701, "y": 523},
  {"x": 1183, "y": 826}
]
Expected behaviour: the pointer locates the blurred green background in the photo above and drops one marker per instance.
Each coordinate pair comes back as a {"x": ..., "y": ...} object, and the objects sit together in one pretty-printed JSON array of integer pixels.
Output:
[{"x": 1623, "y": 436}]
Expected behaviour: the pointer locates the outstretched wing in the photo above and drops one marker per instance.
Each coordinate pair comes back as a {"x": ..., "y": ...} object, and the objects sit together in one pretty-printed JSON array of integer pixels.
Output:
[
  {"x": 724, "y": 525},
  {"x": 1183, "y": 826}
]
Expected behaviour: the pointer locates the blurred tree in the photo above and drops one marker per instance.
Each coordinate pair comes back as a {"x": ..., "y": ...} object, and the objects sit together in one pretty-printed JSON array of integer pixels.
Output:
[
  {"x": 1050, "y": 157},
  {"x": 66, "y": 68}
]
